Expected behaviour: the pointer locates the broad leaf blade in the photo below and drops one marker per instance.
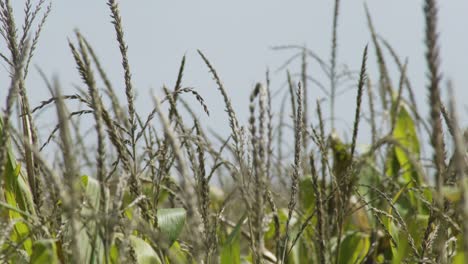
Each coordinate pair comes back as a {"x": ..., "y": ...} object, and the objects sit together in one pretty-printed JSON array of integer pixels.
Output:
[
  {"x": 91, "y": 246},
  {"x": 354, "y": 248},
  {"x": 145, "y": 254},
  {"x": 44, "y": 252},
  {"x": 171, "y": 222},
  {"x": 405, "y": 133},
  {"x": 230, "y": 252}
]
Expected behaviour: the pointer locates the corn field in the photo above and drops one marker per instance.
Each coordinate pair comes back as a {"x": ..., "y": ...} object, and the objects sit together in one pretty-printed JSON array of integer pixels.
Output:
[{"x": 284, "y": 187}]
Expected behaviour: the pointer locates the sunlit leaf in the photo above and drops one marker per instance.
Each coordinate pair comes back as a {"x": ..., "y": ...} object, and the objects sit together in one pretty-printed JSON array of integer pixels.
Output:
[
  {"x": 405, "y": 133},
  {"x": 90, "y": 244},
  {"x": 452, "y": 193},
  {"x": 44, "y": 252},
  {"x": 18, "y": 195},
  {"x": 459, "y": 257},
  {"x": 144, "y": 252},
  {"x": 178, "y": 255}
]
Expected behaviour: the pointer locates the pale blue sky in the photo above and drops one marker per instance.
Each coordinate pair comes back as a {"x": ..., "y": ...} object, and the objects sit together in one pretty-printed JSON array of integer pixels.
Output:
[{"x": 236, "y": 36}]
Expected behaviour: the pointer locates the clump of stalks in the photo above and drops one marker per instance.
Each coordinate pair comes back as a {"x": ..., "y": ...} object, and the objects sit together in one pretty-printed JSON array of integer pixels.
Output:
[{"x": 283, "y": 188}]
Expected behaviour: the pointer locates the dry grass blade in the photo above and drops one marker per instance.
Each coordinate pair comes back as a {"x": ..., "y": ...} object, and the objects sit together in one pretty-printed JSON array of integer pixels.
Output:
[
  {"x": 70, "y": 174},
  {"x": 362, "y": 80},
  {"x": 320, "y": 211},
  {"x": 292, "y": 96},
  {"x": 296, "y": 168},
  {"x": 117, "y": 21},
  {"x": 236, "y": 133},
  {"x": 53, "y": 99},
  {"x": 233, "y": 122},
  {"x": 173, "y": 108},
  {"x": 434, "y": 75},
  {"x": 203, "y": 192},
  {"x": 461, "y": 166},
  {"x": 129, "y": 92},
  {"x": 304, "y": 96},
  {"x": 334, "y": 49},
  {"x": 37, "y": 34},
  {"x": 269, "y": 144},
  {"x": 178, "y": 83},
  {"x": 18, "y": 54},
  {"x": 384, "y": 82},
  {"x": 414, "y": 105},
  {"x": 10, "y": 101},
  {"x": 370, "y": 97},
  {"x": 107, "y": 83},
  {"x": 84, "y": 67},
  {"x": 192, "y": 91},
  {"x": 325, "y": 68},
  {"x": 396, "y": 104},
  {"x": 259, "y": 169},
  {"x": 358, "y": 206},
  {"x": 175, "y": 145}
]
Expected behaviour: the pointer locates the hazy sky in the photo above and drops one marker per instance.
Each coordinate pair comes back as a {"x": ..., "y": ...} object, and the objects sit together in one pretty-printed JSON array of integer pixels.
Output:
[{"x": 236, "y": 36}]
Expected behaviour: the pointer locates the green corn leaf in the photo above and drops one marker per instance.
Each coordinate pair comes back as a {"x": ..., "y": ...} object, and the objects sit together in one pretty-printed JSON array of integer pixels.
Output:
[
  {"x": 405, "y": 133},
  {"x": 306, "y": 194},
  {"x": 171, "y": 222},
  {"x": 341, "y": 156},
  {"x": 230, "y": 252},
  {"x": 459, "y": 257},
  {"x": 354, "y": 248},
  {"x": 145, "y": 254},
  {"x": 16, "y": 194},
  {"x": 177, "y": 253},
  {"x": 90, "y": 244},
  {"x": 44, "y": 252}
]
